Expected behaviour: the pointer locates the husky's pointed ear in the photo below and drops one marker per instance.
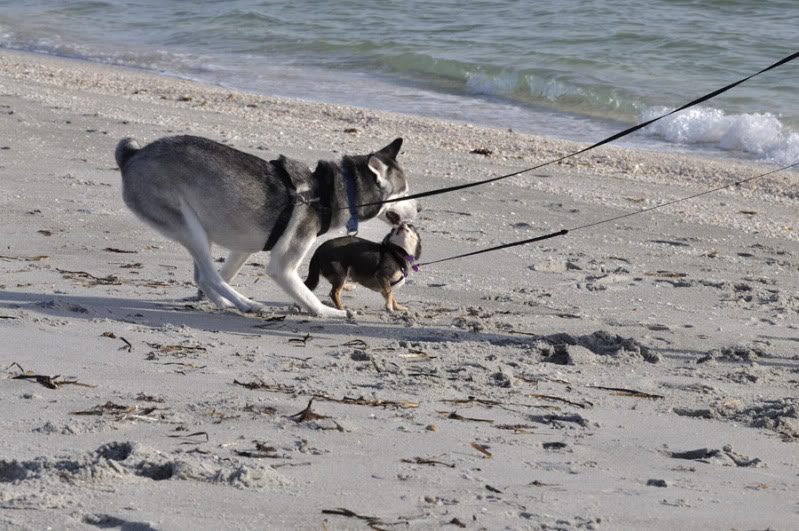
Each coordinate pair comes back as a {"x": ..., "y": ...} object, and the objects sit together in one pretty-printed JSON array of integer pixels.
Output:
[
  {"x": 392, "y": 150},
  {"x": 380, "y": 169}
]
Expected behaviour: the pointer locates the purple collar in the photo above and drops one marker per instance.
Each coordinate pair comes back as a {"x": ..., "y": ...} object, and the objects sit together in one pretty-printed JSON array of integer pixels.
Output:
[{"x": 412, "y": 261}]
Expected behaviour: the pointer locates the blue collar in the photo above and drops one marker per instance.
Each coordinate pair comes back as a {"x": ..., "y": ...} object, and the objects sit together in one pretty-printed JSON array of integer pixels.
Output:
[{"x": 352, "y": 223}]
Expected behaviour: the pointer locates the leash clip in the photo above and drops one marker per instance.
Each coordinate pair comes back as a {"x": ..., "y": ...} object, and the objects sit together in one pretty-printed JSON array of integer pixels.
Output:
[{"x": 352, "y": 226}]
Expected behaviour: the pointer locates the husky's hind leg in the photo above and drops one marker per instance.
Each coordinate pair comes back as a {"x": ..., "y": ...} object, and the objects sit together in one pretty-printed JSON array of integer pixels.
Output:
[
  {"x": 199, "y": 295},
  {"x": 232, "y": 265},
  {"x": 209, "y": 281}
]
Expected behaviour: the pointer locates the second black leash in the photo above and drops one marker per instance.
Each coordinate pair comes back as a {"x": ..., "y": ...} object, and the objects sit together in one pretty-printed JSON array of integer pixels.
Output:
[{"x": 607, "y": 220}]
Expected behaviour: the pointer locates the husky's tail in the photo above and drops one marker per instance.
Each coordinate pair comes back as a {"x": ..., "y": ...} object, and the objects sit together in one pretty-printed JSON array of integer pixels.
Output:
[
  {"x": 313, "y": 274},
  {"x": 126, "y": 148}
]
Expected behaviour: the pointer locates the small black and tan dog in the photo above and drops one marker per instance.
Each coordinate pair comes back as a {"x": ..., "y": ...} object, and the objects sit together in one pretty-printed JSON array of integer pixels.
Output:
[{"x": 382, "y": 267}]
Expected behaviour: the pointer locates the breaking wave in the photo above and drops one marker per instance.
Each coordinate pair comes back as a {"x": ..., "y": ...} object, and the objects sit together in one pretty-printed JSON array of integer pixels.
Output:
[{"x": 760, "y": 135}]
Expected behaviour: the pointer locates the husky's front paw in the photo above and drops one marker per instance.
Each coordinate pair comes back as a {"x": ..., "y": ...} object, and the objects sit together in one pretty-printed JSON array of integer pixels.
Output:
[
  {"x": 221, "y": 302},
  {"x": 327, "y": 311},
  {"x": 251, "y": 306}
]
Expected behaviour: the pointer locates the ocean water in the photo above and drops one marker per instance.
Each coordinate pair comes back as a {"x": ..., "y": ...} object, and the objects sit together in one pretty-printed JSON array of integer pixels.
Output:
[{"x": 574, "y": 69}]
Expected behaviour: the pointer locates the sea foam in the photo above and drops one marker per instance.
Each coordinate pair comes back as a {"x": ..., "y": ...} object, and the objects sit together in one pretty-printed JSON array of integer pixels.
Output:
[{"x": 761, "y": 135}]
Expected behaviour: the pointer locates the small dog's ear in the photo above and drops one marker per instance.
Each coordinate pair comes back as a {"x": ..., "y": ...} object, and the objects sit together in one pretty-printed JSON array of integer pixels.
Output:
[
  {"x": 380, "y": 169},
  {"x": 392, "y": 150}
]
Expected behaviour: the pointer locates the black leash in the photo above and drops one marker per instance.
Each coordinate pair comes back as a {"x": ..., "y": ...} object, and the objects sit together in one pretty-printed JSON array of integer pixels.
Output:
[
  {"x": 498, "y": 247},
  {"x": 674, "y": 201},
  {"x": 600, "y": 143},
  {"x": 608, "y": 220}
]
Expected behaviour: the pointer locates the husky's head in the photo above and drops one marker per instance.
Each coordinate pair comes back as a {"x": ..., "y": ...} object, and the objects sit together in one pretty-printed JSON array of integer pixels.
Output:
[{"x": 391, "y": 181}]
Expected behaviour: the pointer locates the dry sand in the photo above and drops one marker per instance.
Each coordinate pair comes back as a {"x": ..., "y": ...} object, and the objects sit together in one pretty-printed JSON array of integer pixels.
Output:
[{"x": 490, "y": 405}]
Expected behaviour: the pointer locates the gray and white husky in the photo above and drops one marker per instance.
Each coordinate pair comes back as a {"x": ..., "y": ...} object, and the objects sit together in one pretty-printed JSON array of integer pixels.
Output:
[{"x": 199, "y": 192}]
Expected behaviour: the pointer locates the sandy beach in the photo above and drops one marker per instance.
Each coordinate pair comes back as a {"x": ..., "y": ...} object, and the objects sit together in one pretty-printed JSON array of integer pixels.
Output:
[{"x": 638, "y": 374}]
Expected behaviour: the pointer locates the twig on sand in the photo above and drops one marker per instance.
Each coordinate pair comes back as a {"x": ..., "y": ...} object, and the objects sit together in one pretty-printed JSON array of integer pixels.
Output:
[
  {"x": 121, "y": 412},
  {"x": 110, "y": 280},
  {"x": 621, "y": 391},
  {"x": 480, "y": 448},
  {"x": 302, "y": 342},
  {"x": 404, "y": 404},
  {"x": 424, "y": 461},
  {"x": 472, "y": 401},
  {"x": 454, "y": 416},
  {"x": 307, "y": 414},
  {"x": 128, "y": 346},
  {"x": 18, "y": 366},
  {"x": 176, "y": 350},
  {"x": 263, "y": 386},
  {"x": 108, "y": 407},
  {"x": 287, "y": 389},
  {"x": 120, "y": 251},
  {"x": 355, "y": 343},
  {"x": 515, "y": 428},
  {"x": 269, "y": 321},
  {"x": 262, "y": 451},
  {"x": 582, "y": 405},
  {"x": 190, "y": 435},
  {"x": 372, "y": 521},
  {"x": 427, "y": 374},
  {"x": 26, "y": 258},
  {"x": 50, "y": 382}
]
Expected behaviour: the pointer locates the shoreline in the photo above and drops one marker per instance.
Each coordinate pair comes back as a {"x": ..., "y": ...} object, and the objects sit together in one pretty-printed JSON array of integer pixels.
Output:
[
  {"x": 502, "y": 374},
  {"x": 43, "y": 60}
]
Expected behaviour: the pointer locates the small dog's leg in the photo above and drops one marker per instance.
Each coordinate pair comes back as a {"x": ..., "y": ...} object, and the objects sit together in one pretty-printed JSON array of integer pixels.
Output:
[
  {"x": 391, "y": 304},
  {"x": 398, "y": 307},
  {"x": 335, "y": 294},
  {"x": 386, "y": 290}
]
